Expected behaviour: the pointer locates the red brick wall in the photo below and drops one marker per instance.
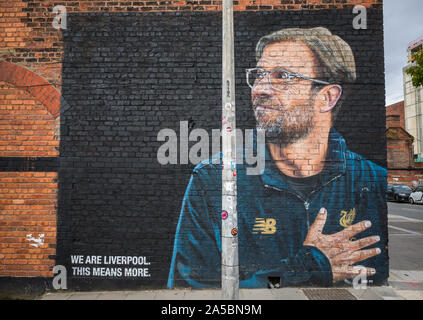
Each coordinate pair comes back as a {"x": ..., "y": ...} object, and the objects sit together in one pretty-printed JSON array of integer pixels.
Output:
[
  {"x": 395, "y": 115},
  {"x": 406, "y": 177},
  {"x": 418, "y": 165},
  {"x": 400, "y": 154},
  {"x": 29, "y": 106},
  {"x": 27, "y": 129},
  {"x": 27, "y": 207}
]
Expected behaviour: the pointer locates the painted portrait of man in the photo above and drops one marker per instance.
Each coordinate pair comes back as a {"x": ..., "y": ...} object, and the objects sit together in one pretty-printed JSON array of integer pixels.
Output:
[{"x": 316, "y": 214}]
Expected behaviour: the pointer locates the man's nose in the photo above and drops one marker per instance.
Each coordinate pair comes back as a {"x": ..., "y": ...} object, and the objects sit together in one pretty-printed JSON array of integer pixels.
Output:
[{"x": 262, "y": 88}]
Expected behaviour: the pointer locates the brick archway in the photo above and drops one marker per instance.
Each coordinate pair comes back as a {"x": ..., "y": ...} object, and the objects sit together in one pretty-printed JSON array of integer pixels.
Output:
[
  {"x": 36, "y": 86},
  {"x": 29, "y": 149}
]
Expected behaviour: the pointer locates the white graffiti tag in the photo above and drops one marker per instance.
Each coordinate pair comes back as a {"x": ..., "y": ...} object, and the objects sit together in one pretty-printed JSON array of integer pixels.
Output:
[{"x": 38, "y": 241}]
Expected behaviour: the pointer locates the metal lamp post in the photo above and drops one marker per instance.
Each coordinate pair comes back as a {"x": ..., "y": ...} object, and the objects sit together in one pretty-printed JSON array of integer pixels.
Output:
[{"x": 230, "y": 265}]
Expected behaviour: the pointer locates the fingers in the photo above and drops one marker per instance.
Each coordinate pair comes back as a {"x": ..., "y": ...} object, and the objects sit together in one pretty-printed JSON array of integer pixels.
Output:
[
  {"x": 359, "y": 244},
  {"x": 352, "y": 258},
  {"x": 353, "y": 230},
  {"x": 320, "y": 221},
  {"x": 348, "y": 272},
  {"x": 314, "y": 235}
]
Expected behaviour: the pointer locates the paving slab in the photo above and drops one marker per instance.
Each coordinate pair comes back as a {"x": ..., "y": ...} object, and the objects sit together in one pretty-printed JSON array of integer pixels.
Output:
[
  {"x": 387, "y": 293},
  {"x": 113, "y": 295},
  {"x": 84, "y": 296},
  {"x": 406, "y": 275},
  {"x": 203, "y": 295},
  {"x": 56, "y": 296},
  {"x": 170, "y": 295},
  {"x": 371, "y": 293},
  {"x": 141, "y": 295},
  {"x": 393, "y": 276},
  {"x": 365, "y": 294},
  {"x": 410, "y": 295},
  {"x": 288, "y": 294},
  {"x": 256, "y": 294},
  {"x": 406, "y": 285}
]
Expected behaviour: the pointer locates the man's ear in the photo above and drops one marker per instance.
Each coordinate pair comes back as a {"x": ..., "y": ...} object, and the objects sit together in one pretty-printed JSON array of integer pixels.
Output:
[{"x": 330, "y": 96}]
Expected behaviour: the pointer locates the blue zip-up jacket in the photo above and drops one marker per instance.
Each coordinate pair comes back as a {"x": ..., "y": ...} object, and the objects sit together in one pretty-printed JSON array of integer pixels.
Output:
[{"x": 273, "y": 222}]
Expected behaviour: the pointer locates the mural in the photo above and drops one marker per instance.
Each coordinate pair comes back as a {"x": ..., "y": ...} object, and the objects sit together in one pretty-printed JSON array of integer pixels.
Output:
[
  {"x": 315, "y": 215},
  {"x": 139, "y": 177}
]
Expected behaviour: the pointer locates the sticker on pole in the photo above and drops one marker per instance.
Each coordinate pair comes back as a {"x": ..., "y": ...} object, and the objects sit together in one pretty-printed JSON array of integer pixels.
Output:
[
  {"x": 234, "y": 232},
  {"x": 225, "y": 215}
]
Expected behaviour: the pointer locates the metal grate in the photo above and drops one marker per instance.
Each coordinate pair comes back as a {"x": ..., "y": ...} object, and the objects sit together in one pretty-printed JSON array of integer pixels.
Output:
[{"x": 328, "y": 294}]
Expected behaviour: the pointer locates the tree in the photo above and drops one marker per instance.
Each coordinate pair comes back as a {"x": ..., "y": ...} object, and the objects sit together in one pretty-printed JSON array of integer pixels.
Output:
[{"x": 416, "y": 71}]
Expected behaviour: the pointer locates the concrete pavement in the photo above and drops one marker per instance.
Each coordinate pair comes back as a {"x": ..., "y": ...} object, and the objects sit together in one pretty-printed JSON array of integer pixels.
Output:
[
  {"x": 403, "y": 285},
  {"x": 382, "y": 293}
]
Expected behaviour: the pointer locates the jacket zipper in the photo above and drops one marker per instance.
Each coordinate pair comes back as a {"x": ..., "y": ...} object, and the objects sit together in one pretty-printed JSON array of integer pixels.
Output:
[{"x": 306, "y": 202}]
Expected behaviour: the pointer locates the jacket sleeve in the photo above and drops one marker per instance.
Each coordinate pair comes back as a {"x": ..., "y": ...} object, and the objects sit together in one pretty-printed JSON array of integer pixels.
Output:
[
  {"x": 196, "y": 253},
  {"x": 309, "y": 266}
]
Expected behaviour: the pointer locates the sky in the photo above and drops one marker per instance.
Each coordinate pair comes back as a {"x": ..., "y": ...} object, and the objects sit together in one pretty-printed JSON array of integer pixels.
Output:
[{"x": 403, "y": 23}]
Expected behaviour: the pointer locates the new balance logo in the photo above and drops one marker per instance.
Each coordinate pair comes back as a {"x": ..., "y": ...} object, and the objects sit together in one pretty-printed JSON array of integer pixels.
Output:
[{"x": 264, "y": 226}]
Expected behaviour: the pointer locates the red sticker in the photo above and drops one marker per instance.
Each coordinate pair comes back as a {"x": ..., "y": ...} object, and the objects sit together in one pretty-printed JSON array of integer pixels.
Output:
[{"x": 225, "y": 215}]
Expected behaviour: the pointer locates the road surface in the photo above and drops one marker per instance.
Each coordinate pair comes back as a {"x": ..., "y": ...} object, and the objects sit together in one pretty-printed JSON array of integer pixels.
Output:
[{"x": 405, "y": 227}]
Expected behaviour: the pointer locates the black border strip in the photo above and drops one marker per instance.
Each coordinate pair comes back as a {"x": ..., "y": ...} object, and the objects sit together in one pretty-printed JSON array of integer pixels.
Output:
[{"x": 29, "y": 164}]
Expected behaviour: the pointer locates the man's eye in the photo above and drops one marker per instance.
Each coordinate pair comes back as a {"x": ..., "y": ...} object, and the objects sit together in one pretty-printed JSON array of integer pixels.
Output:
[{"x": 280, "y": 75}]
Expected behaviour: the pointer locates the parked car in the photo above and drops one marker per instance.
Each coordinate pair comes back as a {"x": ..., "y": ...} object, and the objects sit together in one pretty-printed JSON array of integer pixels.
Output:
[
  {"x": 399, "y": 193},
  {"x": 390, "y": 192},
  {"x": 417, "y": 196}
]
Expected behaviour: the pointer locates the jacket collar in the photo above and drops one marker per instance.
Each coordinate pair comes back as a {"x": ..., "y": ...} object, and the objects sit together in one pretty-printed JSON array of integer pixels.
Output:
[{"x": 335, "y": 164}]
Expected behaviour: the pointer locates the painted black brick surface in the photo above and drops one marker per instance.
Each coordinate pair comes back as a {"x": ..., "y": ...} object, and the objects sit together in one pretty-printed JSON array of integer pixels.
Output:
[{"x": 126, "y": 77}]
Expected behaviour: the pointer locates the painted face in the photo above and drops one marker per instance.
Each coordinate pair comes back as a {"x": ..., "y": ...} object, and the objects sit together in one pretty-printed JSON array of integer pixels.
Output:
[{"x": 286, "y": 113}]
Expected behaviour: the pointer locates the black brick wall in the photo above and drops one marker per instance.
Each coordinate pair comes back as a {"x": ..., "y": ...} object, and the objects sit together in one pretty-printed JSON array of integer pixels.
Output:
[{"x": 127, "y": 76}]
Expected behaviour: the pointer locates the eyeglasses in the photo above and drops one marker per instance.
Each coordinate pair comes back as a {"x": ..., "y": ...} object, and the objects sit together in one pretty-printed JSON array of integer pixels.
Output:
[{"x": 278, "y": 79}]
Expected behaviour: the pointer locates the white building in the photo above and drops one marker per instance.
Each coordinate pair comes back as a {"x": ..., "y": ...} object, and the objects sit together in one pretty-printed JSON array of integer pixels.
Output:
[{"x": 413, "y": 106}]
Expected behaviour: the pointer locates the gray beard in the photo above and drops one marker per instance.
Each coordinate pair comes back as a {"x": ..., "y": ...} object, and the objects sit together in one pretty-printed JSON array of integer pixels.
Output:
[{"x": 289, "y": 126}]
